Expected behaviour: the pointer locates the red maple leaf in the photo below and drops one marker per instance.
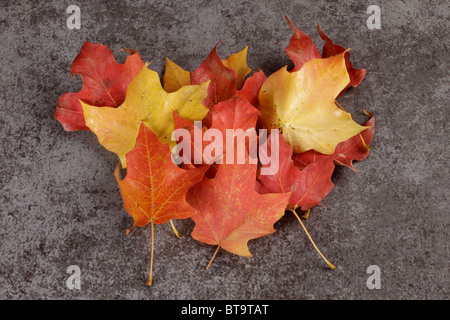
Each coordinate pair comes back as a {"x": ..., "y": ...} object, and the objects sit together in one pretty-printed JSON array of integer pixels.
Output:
[
  {"x": 251, "y": 88},
  {"x": 301, "y": 48},
  {"x": 105, "y": 83},
  {"x": 223, "y": 81},
  {"x": 308, "y": 186}
]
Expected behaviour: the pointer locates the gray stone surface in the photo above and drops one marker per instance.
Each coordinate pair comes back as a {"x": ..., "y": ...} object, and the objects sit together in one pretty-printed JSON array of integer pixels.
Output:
[{"x": 60, "y": 204}]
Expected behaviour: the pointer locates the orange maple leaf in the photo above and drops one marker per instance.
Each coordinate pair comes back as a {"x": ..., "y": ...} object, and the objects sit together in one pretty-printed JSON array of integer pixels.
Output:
[
  {"x": 230, "y": 211},
  {"x": 154, "y": 188}
]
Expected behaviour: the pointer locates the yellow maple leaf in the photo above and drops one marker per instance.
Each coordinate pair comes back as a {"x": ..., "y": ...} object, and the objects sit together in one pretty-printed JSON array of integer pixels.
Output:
[
  {"x": 147, "y": 102},
  {"x": 302, "y": 105},
  {"x": 238, "y": 62},
  {"x": 175, "y": 77}
]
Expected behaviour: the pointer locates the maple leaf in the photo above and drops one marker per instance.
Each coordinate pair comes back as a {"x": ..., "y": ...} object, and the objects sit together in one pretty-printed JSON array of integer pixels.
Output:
[
  {"x": 240, "y": 116},
  {"x": 302, "y": 105},
  {"x": 244, "y": 120},
  {"x": 314, "y": 184},
  {"x": 105, "y": 83},
  {"x": 146, "y": 101},
  {"x": 356, "y": 148},
  {"x": 252, "y": 86},
  {"x": 223, "y": 79},
  {"x": 154, "y": 189},
  {"x": 238, "y": 62},
  {"x": 227, "y": 78},
  {"x": 175, "y": 77},
  {"x": 230, "y": 211},
  {"x": 330, "y": 49},
  {"x": 308, "y": 186},
  {"x": 301, "y": 48}
]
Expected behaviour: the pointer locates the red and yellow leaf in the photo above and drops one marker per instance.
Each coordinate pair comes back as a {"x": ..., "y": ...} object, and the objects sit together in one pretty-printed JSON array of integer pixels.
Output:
[
  {"x": 330, "y": 49},
  {"x": 302, "y": 105},
  {"x": 356, "y": 148},
  {"x": 105, "y": 83}
]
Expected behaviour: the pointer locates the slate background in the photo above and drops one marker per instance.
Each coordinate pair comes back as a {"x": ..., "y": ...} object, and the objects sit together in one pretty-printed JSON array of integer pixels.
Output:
[{"x": 60, "y": 204}]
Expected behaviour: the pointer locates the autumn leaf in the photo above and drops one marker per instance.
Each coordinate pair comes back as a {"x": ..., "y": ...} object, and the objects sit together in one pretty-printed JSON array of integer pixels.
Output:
[
  {"x": 175, "y": 77},
  {"x": 284, "y": 179},
  {"x": 330, "y": 49},
  {"x": 308, "y": 186},
  {"x": 313, "y": 185},
  {"x": 252, "y": 86},
  {"x": 238, "y": 62},
  {"x": 235, "y": 114},
  {"x": 302, "y": 105},
  {"x": 210, "y": 149},
  {"x": 240, "y": 116},
  {"x": 105, "y": 83},
  {"x": 222, "y": 85},
  {"x": 230, "y": 211},
  {"x": 302, "y": 160},
  {"x": 223, "y": 79},
  {"x": 356, "y": 148},
  {"x": 146, "y": 101},
  {"x": 301, "y": 48},
  {"x": 154, "y": 189}
]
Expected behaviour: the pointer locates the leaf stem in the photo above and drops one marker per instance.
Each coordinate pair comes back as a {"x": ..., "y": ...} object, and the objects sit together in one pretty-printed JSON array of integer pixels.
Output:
[
  {"x": 174, "y": 229},
  {"x": 213, "y": 257},
  {"x": 312, "y": 241},
  {"x": 150, "y": 278},
  {"x": 364, "y": 143},
  {"x": 339, "y": 105}
]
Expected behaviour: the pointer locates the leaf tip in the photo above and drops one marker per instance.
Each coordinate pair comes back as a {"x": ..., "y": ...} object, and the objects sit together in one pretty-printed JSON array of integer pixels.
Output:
[{"x": 130, "y": 51}]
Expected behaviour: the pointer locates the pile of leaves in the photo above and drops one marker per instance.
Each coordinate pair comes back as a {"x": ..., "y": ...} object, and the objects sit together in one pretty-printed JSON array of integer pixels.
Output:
[{"x": 133, "y": 115}]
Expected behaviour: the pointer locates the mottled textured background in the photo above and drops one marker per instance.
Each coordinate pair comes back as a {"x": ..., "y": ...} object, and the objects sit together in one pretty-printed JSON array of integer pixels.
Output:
[{"x": 60, "y": 204}]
